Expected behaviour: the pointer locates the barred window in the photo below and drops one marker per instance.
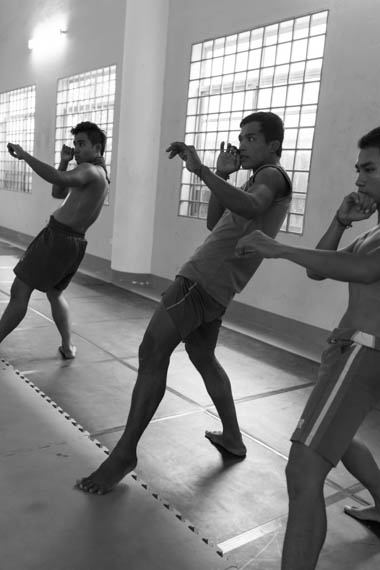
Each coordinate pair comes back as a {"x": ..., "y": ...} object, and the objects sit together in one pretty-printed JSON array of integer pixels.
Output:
[
  {"x": 273, "y": 68},
  {"x": 17, "y": 110},
  {"x": 89, "y": 96}
]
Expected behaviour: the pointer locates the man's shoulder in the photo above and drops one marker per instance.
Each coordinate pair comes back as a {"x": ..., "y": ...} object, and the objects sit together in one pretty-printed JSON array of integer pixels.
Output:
[{"x": 274, "y": 177}]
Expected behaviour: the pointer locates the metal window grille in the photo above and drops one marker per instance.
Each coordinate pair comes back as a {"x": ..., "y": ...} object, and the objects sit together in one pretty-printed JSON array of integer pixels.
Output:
[
  {"x": 17, "y": 110},
  {"x": 88, "y": 96},
  {"x": 273, "y": 68}
]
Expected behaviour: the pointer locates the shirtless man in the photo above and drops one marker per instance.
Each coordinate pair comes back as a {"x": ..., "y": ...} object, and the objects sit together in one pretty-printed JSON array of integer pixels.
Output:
[
  {"x": 348, "y": 385},
  {"x": 55, "y": 254},
  {"x": 192, "y": 307}
]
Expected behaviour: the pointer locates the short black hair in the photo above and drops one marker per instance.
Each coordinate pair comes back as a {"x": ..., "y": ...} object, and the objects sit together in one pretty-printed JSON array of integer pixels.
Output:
[
  {"x": 94, "y": 133},
  {"x": 272, "y": 126},
  {"x": 371, "y": 139}
]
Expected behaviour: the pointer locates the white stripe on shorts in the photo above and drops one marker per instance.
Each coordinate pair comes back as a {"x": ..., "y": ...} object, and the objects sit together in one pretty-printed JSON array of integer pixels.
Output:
[
  {"x": 333, "y": 395},
  {"x": 183, "y": 298}
]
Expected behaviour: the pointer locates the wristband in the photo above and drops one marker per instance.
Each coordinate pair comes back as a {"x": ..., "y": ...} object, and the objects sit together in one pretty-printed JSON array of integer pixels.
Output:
[{"x": 342, "y": 225}]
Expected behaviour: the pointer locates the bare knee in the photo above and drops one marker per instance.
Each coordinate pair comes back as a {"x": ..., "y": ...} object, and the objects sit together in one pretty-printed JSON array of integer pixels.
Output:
[
  {"x": 54, "y": 295},
  {"x": 152, "y": 354},
  {"x": 306, "y": 472},
  {"x": 20, "y": 291}
]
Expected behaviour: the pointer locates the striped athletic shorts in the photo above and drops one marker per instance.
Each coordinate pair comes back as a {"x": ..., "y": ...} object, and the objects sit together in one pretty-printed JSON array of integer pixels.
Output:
[{"x": 348, "y": 387}]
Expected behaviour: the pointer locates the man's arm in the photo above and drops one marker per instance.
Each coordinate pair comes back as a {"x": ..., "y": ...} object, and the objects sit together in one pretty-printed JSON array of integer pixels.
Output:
[
  {"x": 77, "y": 178},
  {"x": 268, "y": 184},
  {"x": 337, "y": 265},
  {"x": 67, "y": 154},
  {"x": 355, "y": 207},
  {"x": 215, "y": 209}
]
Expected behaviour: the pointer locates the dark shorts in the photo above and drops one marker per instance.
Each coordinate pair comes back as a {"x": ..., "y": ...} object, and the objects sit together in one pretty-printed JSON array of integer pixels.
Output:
[
  {"x": 195, "y": 314},
  {"x": 52, "y": 258},
  {"x": 348, "y": 388}
]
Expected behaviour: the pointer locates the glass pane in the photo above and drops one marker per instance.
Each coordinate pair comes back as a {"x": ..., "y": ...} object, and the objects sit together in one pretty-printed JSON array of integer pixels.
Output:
[
  {"x": 308, "y": 116},
  {"x": 300, "y": 180},
  {"x": 250, "y": 102},
  {"x": 305, "y": 138},
  {"x": 207, "y": 49},
  {"x": 294, "y": 95},
  {"x": 206, "y": 68},
  {"x": 290, "y": 138},
  {"x": 279, "y": 96},
  {"x": 214, "y": 104},
  {"x": 283, "y": 53},
  {"x": 240, "y": 81},
  {"x": 316, "y": 46},
  {"x": 310, "y": 93},
  {"x": 195, "y": 70},
  {"x": 185, "y": 190},
  {"x": 313, "y": 70},
  {"x": 318, "y": 23},
  {"x": 298, "y": 204},
  {"x": 281, "y": 74},
  {"x": 238, "y": 101},
  {"x": 241, "y": 61},
  {"x": 229, "y": 64},
  {"x": 210, "y": 141},
  {"x": 269, "y": 55},
  {"x": 266, "y": 76},
  {"x": 254, "y": 60},
  {"x": 287, "y": 159},
  {"x": 264, "y": 98},
  {"x": 217, "y": 66},
  {"x": 292, "y": 117},
  {"x": 295, "y": 223},
  {"x": 296, "y": 72},
  {"x": 257, "y": 38},
  {"x": 270, "y": 35},
  {"x": 216, "y": 85},
  {"x": 285, "y": 31},
  {"x": 183, "y": 209},
  {"x": 243, "y": 41},
  {"x": 196, "y": 52},
  {"x": 225, "y": 102},
  {"x": 231, "y": 44},
  {"x": 302, "y": 159},
  {"x": 190, "y": 123},
  {"x": 299, "y": 49},
  {"x": 219, "y": 47},
  {"x": 301, "y": 27}
]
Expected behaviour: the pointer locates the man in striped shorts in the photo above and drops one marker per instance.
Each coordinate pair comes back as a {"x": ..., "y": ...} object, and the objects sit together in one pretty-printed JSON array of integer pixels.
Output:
[{"x": 348, "y": 385}]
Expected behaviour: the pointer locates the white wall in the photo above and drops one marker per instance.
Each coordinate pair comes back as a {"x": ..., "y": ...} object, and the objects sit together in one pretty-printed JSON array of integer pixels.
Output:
[
  {"x": 348, "y": 107},
  {"x": 94, "y": 39}
]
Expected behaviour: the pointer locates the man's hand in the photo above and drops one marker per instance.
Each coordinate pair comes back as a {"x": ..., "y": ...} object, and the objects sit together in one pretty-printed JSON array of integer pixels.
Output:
[
  {"x": 356, "y": 206},
  {"x": 258, "y": 242},
  {"x": 67, "y": 154},
  {"x": 16, "y": 151},
  {"x": 228, "y": 160},
  {"x": 187, "y": 153}
]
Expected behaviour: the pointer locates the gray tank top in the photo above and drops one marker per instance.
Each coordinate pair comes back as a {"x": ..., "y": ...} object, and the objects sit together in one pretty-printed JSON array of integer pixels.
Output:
[{"x": 214, "y": 264}]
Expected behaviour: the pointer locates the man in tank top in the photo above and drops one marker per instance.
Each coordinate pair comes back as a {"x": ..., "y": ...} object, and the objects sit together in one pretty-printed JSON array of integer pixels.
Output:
[{"x": 192, "y": 307}]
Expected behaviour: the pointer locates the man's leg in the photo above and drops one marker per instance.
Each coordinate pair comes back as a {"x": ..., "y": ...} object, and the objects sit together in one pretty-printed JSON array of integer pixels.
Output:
[
  {"x": 160, "y": 339},
  {"x": 16, "y": 308},
  {"x": 306, "y": 528},
  {"x": 60, "y": 314},
  {"x": 218, "y": 386},
  {"x": 360, "y": 463}
]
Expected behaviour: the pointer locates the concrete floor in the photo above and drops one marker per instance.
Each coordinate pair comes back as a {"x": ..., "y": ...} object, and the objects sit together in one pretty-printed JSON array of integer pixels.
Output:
[{"x": 240, "y": 506}]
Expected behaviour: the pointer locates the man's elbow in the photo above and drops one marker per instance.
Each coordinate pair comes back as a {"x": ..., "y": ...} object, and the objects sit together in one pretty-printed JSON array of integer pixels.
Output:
[{"x": 315, "y": 276}]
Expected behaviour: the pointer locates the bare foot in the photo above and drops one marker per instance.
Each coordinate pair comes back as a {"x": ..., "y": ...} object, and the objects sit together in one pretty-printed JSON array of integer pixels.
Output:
[
  {"x": 108, "y": 475},
  {"x": 363, "y": 513},
  {"x": 68, "y": 353},
  {"x": 235, "y": 447}
]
